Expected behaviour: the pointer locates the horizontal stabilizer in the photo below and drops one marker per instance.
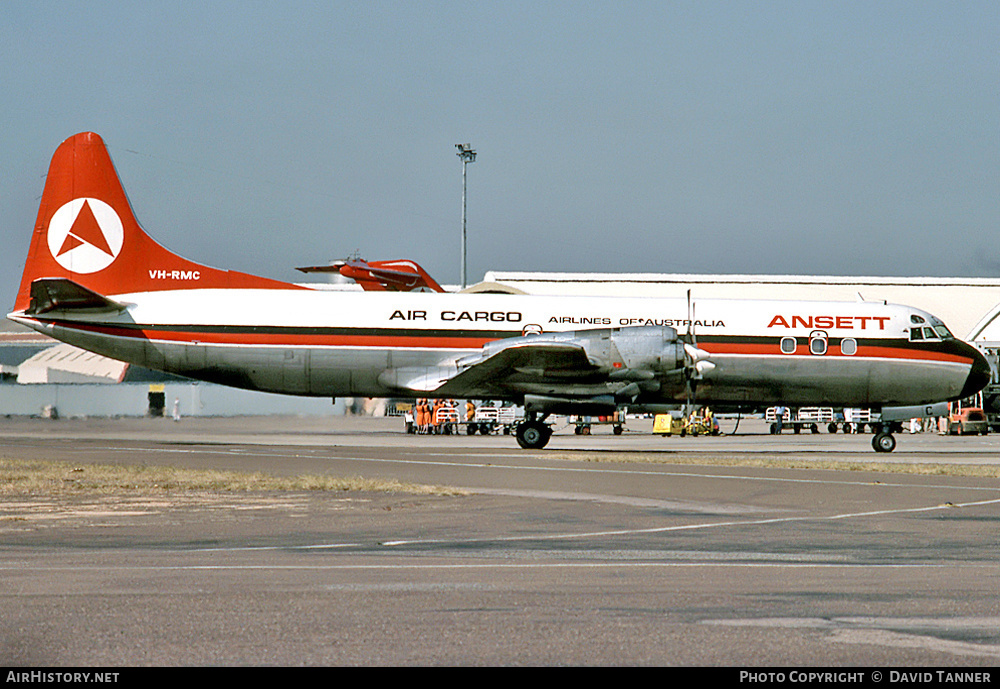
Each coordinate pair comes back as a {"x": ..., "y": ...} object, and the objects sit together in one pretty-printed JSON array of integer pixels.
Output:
[{"x": 61, "y": 294}]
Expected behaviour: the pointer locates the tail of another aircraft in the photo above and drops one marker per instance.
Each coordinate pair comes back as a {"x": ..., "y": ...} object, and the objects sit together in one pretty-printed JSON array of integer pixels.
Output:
[{"x": 87, "y": 233}]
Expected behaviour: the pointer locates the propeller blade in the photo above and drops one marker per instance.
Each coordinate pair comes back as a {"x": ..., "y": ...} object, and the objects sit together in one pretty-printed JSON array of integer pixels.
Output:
[
  {"x": 696, "y": 354},
  {"x": 690, "y": 320},
  {"x": 703, "y": 367}
]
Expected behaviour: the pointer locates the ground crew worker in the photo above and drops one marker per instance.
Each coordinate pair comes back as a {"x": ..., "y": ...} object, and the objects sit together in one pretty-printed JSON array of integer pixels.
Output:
[
  {"x": 421, "y": 415},
  {"x": 779, "y": 417},
  {"x": 427, "y": 416},
  {"x": 434, "y": 414}
]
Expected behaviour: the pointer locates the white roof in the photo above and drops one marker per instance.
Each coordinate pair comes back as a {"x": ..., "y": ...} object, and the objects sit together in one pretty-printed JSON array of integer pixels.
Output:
[
  {"x": 64, "y": 363},
  {"x": 962, "y": 303}
]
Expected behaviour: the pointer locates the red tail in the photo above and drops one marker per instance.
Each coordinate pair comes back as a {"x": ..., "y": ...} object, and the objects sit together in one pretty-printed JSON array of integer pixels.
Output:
[{"x": 86, "y": 232}]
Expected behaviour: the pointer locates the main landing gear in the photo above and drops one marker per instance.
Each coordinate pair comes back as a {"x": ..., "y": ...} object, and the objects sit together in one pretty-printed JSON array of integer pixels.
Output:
[{"x": 533, "y": 433}]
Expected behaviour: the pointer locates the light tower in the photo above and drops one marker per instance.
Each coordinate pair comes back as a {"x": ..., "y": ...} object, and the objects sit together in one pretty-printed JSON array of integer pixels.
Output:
[{"x": 467, "y": 155}]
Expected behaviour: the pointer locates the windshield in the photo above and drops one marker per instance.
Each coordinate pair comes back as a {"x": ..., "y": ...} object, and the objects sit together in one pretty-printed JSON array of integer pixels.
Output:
[
  {"x": 943, "y": 332},
  {"x": 934, "y": 330}
]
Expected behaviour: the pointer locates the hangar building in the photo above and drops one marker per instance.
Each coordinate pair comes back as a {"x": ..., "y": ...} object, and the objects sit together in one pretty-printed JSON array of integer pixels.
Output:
[{"x": 970, "y": 307}]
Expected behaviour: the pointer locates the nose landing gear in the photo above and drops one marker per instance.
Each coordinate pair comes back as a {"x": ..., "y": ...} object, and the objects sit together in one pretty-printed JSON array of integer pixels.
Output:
[{"x": 883, "y": 442}]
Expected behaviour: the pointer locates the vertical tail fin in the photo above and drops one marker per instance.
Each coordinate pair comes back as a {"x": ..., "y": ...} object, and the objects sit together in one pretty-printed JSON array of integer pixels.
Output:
[{"x": 86, "y": 232}]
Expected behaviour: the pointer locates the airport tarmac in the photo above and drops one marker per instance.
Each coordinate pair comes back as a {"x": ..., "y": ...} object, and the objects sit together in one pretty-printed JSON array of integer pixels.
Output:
[{"x": 744, "y": 550}]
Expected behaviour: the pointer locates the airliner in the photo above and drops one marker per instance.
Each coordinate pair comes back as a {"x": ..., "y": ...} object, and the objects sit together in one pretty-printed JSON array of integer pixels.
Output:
[{"x": 95, "y": 279}]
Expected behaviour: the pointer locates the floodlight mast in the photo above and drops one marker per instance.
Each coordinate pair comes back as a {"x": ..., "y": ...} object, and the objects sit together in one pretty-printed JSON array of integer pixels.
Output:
[{"x": 467, "y": 156}]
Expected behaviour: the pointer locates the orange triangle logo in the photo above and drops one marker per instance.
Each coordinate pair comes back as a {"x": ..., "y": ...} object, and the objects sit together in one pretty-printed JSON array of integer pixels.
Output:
[{"x": 85, "y": 230}]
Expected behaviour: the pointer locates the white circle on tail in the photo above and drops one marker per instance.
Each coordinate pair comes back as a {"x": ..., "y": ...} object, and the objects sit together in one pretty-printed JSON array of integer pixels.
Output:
[{"x": 85, "y": 235}]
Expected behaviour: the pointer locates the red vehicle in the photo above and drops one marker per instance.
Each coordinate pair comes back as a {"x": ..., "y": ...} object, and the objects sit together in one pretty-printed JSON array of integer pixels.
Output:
[{"x": 968, "y": 420}]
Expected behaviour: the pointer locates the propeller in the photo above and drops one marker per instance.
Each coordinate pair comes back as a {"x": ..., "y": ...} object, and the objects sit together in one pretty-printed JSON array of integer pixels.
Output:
[{"x": 697, "y": 361}]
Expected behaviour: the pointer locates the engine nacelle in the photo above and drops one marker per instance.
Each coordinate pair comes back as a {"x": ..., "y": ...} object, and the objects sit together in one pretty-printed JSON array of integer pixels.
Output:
[
  {"x": 647, "y": 348},
  {"x": 600, "y": 405},
  {"x": 642, "y": 349}
]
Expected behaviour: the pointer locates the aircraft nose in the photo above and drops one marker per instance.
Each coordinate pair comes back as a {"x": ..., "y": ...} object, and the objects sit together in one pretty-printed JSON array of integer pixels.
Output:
[{"x": 979, "y": 374}]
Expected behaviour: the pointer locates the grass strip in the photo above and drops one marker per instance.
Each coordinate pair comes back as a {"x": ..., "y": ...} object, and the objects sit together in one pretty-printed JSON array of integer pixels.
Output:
[
  {"x": 778, "y": 462},
  {"x": 24, "y": 477}
]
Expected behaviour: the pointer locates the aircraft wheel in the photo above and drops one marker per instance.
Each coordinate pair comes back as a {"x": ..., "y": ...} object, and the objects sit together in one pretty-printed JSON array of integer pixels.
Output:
[
  {"x": 883, "y": 442},
  {"x": 532, "y": 435},
  {"x": 618, "y": 430}
]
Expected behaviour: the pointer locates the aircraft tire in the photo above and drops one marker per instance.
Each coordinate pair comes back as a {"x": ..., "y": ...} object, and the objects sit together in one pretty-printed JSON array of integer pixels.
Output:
[
  {"x": 532, "y": 435},
  {"x": 883, "y": 442}
]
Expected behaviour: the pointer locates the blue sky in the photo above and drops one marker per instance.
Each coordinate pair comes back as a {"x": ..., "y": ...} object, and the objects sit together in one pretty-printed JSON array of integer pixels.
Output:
[{"x": 833, "y": 138}]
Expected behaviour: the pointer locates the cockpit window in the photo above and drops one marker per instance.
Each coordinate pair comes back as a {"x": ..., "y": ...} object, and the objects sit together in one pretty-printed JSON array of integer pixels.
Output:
[
  {"x": 914, "y": 318},
  {"x": 938, "y": 332}
]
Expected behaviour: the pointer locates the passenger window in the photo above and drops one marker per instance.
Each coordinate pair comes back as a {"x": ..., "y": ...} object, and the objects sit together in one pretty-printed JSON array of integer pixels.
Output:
[
  {"x": 849, "y": 346},
  {"x": 788, "y": 345},
  {"x": 817, "y": 343}
]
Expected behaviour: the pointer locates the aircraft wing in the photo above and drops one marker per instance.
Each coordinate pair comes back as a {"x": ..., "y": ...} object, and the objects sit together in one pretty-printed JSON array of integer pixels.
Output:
[
  {"x": 522, "y": 366},
  {"x": 580, "y": 365}
]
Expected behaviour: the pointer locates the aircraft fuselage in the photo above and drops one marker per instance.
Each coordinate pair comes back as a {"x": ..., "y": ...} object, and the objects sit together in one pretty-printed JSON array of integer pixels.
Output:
[{"x": 341, "y": 343}]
